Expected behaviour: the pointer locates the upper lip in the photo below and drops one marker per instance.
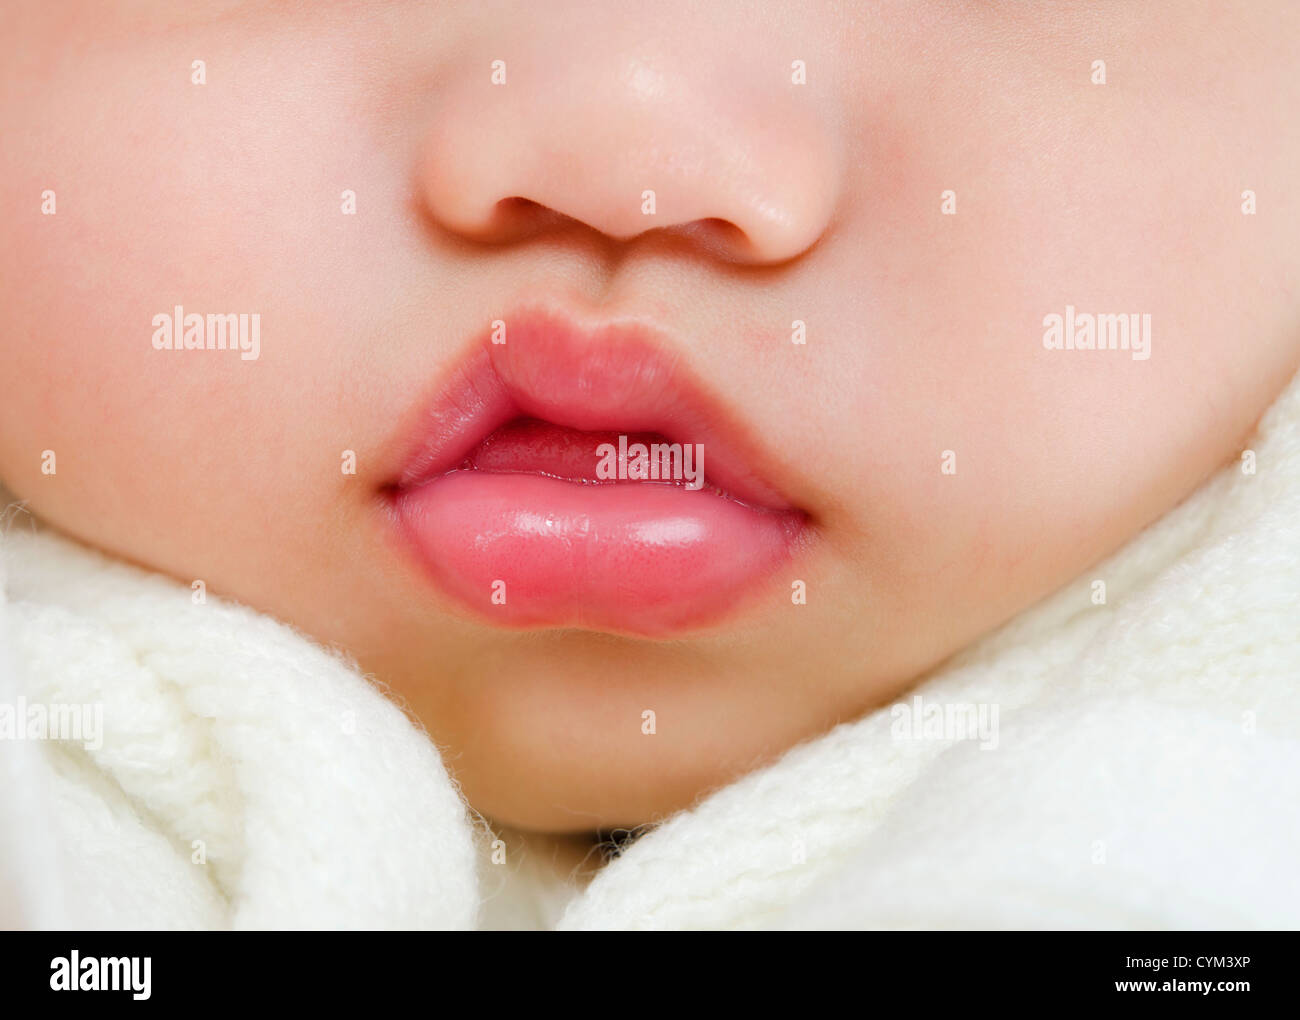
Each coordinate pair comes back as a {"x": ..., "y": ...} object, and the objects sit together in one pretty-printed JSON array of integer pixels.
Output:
[{"x": 612, "y": 375}]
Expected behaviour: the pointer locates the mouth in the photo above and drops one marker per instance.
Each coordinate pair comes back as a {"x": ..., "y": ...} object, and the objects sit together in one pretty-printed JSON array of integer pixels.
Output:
[{"x": 580, "y": 477}]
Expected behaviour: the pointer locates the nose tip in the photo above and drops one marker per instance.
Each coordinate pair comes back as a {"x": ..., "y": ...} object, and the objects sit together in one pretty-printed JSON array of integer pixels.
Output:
[{"x": 743, "y": 168}]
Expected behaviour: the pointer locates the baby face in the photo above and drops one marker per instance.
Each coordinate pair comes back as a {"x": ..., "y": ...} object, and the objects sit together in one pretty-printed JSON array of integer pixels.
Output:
[{"x": 378, "y": 317}]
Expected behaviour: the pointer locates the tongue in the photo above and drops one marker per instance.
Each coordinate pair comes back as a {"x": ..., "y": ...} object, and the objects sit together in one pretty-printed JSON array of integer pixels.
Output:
[{"x": 529, "y": 446}]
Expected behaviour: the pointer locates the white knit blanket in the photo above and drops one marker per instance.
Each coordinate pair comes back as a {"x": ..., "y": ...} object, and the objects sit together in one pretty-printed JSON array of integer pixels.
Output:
[{"x": 1146, "y": 771}]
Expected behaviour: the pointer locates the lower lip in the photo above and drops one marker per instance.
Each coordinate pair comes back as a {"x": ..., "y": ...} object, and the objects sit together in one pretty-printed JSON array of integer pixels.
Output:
[{"x": 649, "y": 559}]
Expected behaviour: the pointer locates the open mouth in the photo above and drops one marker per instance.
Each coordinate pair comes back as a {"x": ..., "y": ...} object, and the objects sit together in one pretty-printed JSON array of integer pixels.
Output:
[
  {"x": 578, "y": 478},
  {"x": 531, "y": 446}
]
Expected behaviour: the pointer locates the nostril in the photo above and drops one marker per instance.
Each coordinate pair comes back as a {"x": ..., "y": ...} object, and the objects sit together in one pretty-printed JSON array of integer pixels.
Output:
[
  {"x": 717, "y": 237},
  {"x": 516, "y": 217},
  {"x": 712, "y": 236},
  {"x": 506, "y": 220},
  {"x": 519, "y": 206}
]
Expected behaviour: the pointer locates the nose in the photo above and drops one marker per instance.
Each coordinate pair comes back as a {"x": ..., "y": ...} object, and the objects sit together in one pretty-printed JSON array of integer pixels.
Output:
[{"x": 727, "y": 150}]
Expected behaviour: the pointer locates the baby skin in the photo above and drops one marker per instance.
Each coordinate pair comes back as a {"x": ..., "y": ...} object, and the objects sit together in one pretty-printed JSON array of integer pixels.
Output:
[{"x": 897, "y": 317}]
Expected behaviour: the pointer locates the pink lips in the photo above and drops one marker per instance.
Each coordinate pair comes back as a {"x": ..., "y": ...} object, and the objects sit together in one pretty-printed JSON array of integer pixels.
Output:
[{"x": 505, "y": 502}]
